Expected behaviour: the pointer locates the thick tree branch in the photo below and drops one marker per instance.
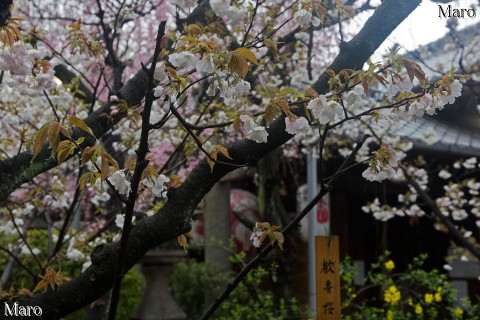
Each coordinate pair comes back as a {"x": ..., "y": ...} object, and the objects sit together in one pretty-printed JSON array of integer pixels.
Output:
[
  {"x": 354, "y": 53},
  {"x": 455, "y": 234},
  {"x": 21, "y": 169},
  {"x": 67, "y": 76}
]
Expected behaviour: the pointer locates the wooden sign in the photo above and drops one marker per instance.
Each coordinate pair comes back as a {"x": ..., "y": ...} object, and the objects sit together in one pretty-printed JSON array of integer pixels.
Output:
[{"x": 327, "y": 275}]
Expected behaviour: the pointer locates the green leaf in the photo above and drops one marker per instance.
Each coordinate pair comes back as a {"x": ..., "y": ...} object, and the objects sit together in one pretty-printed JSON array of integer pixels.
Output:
[
  {"x": 105, "y": 169},
  {"x": 285, "y": 91},
  {"x": 110, "y": 160},
  {"x": 82, "y": 182},
  {"x": 94, "y": 177},
  {"x": 63, "y": 154},
  {"x": 65, "y": 148},
  {"x": 271, "y": 112},
  {"x": 87, "y": 154},
  {"x": 39, "y": 140},
  {"x": 223, "y": 151},
  {"x": 77, "y": 122},
  {"x": 53, "y": 135},
  {"x": 236, "y": 123},
  {"x": 376, "y": 115},
  {"x": 365, "y": 85},
  {"x": 247, "y": 54},
  {"x": 280, "y": 239},
  {"x": 210, "y": 163},
  {"x": 189, "y": 38}
]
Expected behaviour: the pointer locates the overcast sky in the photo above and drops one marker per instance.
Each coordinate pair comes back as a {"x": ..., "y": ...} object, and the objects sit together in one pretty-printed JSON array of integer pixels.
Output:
[{"x": 424, "y": 25}]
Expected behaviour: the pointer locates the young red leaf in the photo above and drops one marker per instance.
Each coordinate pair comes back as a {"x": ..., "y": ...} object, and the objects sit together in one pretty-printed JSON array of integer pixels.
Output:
[{"x": 238, "y": 64}]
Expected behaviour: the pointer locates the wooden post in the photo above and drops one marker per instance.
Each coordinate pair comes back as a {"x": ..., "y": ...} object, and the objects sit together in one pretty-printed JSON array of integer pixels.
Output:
[{"x": 327, "y": 271}]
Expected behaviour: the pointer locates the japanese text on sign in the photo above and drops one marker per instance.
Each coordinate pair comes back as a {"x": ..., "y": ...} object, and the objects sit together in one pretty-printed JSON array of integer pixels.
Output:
[{"x": 327, "y": 271}]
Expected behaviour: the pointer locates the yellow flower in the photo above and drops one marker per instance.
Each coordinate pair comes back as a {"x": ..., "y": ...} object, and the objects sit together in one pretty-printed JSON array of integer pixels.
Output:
[
  {"x": 389, "y": 315},
  {"x": 458, "y": 312},
  {"x": 389, "y": 265},
  {"x": 438, "y": 295},
  {"x": 428, "y": 297},
  {"x": 418, "y": 309},
  {"x": 392, "y": 295}
]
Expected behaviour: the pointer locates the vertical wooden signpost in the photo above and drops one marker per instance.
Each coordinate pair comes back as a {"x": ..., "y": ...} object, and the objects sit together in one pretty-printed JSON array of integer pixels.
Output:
[{"x": 327, "y": 272}]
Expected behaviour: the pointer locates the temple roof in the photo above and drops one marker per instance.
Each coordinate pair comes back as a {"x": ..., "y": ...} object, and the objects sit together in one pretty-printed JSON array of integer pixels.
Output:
[
  {"x": 457, "y": 127},
  {"x": 448, "y": 138}
]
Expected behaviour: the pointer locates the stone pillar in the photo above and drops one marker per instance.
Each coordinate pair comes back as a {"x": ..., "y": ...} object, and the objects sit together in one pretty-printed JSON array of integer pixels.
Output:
[
  {"x": 217, "y": 224},
  {"x": 157, "y": 302}
]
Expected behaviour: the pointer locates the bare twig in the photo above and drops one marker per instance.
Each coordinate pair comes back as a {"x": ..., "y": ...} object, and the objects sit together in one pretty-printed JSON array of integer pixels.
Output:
[
  {"x": 141, "y": 164},
  {"x": 266, "y": 249}
]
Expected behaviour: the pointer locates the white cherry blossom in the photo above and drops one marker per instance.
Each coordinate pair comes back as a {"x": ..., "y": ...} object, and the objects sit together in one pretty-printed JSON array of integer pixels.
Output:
[
  {"x": 297, "y": 126},
  {"x": 208, "y": 147},
  {"x": 181, "y": 60},
  {"x": 220, "y": 7},
  {"x": 248, "y": 122},
  {"x": 455, "y": 92},
  {"x": 470, "y": 163},
  {"x": 444, "y": 174},
  {"x": 184, "y": 3},
  {"x": 26, "y": 251},
  {"x": 75, "y": 254},
  {"x": 120, "y": 182},
  {"x": 160, "y": 74},
  {"x": 160, "y": 190},
  {"x": 316, "y": 105},
  {"x": 430, "y": 136},
  {"x": 415, "y": 211},
  {"x": 158, "y": 91},
  {"x": 258, "y": 134},
  {"x": 459, "y": 214},
  {"x": 324, "y": 111},
  {"x": 119, "y": 220},
  {"x": 380, "y": 173},
  {"x": 205, "y": 65},
  {"x": 302, "y": 17},
  {"x": 240, "y": 88}
]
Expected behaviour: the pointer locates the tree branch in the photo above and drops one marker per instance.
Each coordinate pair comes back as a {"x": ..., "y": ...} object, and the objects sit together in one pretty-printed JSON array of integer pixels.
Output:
[
  {"x": 267, "y": 248},
  {"x": 452, "y": 229}
]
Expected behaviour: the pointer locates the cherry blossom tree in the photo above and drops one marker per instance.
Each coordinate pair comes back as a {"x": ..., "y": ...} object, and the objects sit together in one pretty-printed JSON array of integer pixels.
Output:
[{"x": 124, "y": 114}]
